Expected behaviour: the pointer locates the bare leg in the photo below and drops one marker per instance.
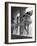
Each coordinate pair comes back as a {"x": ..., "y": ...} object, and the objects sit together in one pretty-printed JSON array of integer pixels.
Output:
[{"x": 27, "y": 29}]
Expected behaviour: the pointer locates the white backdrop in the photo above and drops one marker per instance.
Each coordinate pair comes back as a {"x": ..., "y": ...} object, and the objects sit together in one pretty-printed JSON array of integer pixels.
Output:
[{"x": 2, "y": 23}]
